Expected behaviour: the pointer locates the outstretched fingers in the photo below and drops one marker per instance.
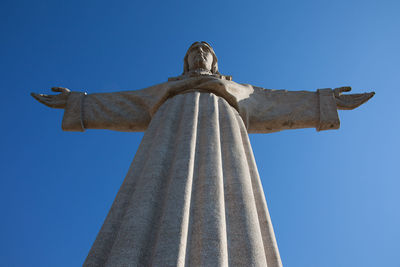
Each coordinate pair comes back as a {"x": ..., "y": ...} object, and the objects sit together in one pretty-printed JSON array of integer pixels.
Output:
[
  {"x": 39, "y": 97},
  {"x": 54, "y": 101},
  {"x": 42, "y": 98},
  {"x": 367, "y": 96},
  {"x": 353, "y": 101},
  {"x": 338, "y": 91},
  {"x": 345, "y": 89},
  {"x": 60, "y": 90}
]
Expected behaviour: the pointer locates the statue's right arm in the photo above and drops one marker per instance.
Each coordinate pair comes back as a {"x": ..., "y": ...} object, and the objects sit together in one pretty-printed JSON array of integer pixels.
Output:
[{"x": 120, "y": 111}]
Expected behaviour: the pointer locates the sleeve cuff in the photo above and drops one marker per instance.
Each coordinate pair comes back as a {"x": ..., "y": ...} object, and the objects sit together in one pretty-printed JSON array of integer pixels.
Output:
[
  {"x": 328, "y": 115},
  {"x": 72, "y": 120}
]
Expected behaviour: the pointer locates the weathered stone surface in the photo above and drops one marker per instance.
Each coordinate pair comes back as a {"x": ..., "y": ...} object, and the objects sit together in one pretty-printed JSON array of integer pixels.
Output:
[{"x": 192, "y": 196}]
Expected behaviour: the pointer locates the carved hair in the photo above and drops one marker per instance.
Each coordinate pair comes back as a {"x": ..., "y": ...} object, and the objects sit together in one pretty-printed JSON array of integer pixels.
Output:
[{"x": 214, "y": 66}]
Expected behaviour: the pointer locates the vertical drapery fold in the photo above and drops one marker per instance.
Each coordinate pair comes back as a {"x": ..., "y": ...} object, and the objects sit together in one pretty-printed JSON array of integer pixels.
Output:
[
  {"x": 192, "y": 196},
  {"x": 267, "y": 231},
  {"x": 170, "y": 243},
  {"x": 244, "y": 236},
  {"x": 208, "y": 245}
]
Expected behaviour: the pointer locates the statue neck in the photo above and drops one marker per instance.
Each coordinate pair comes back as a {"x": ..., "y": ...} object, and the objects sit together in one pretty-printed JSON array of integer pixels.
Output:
[{"x": 199, "y": 71}]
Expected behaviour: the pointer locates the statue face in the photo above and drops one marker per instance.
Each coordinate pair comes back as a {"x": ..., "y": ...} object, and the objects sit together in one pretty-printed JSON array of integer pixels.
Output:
[{"x": 200, "y": 57}]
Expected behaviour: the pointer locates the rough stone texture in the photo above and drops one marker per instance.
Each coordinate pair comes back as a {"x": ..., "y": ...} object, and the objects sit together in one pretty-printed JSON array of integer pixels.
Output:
[
  {"x": 193, "y": 195},
  {"x": 262, "y": 110}
]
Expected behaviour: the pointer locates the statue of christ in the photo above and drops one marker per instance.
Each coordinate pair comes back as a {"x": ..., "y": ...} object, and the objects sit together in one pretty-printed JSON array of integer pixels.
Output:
[{"x": 193, "y": 196}]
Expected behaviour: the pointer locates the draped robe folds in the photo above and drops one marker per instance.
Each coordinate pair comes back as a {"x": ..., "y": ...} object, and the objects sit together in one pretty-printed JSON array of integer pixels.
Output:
[{"x": 193, "y": 196}]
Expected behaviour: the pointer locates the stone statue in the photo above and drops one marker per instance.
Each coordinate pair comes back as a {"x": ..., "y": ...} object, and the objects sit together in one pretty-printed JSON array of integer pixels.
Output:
[{"x": 193, "y": 196}]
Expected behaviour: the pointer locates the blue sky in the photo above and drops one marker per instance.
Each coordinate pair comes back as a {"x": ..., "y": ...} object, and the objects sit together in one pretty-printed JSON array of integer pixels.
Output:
[{"x": 333, "y": 196}]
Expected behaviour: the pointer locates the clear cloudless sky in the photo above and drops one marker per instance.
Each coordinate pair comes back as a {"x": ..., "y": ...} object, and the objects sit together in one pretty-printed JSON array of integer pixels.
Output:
[{"x": 333, "y": 195}]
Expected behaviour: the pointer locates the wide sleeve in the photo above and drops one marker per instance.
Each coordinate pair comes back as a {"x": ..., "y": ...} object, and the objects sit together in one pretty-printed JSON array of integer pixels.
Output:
[
  {"x": 268, "y": 110},
  {"x": 120, "y": 111}
]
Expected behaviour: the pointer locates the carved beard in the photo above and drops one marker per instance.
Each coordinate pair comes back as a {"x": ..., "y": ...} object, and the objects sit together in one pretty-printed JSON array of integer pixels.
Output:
[{"x": 200, "y": 63}]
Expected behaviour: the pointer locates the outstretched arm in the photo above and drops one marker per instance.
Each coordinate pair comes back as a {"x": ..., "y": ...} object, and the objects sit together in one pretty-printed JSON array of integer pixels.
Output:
[
  {"x": 275, "y": 110},
  {"x": 121, "y": 111}
]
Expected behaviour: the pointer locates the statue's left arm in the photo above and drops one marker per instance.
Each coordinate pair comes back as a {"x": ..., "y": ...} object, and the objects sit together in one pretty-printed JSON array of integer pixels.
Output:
[{"x": 268, "y": 110}]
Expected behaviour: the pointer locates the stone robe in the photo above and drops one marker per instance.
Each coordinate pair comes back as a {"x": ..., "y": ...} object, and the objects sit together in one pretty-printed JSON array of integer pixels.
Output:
[{"x": 193, "y": 196}]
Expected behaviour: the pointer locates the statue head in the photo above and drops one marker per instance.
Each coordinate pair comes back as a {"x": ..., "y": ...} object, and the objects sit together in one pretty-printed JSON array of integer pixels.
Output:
[{"x": 200, "y": 55}]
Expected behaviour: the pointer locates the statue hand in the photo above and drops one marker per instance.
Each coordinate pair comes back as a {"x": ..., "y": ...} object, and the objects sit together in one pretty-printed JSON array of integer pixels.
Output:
[
  {"x": 54, "y": 101},
  {"x": 190, "y": 83},
  {"x": 350, "y": 101}
]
